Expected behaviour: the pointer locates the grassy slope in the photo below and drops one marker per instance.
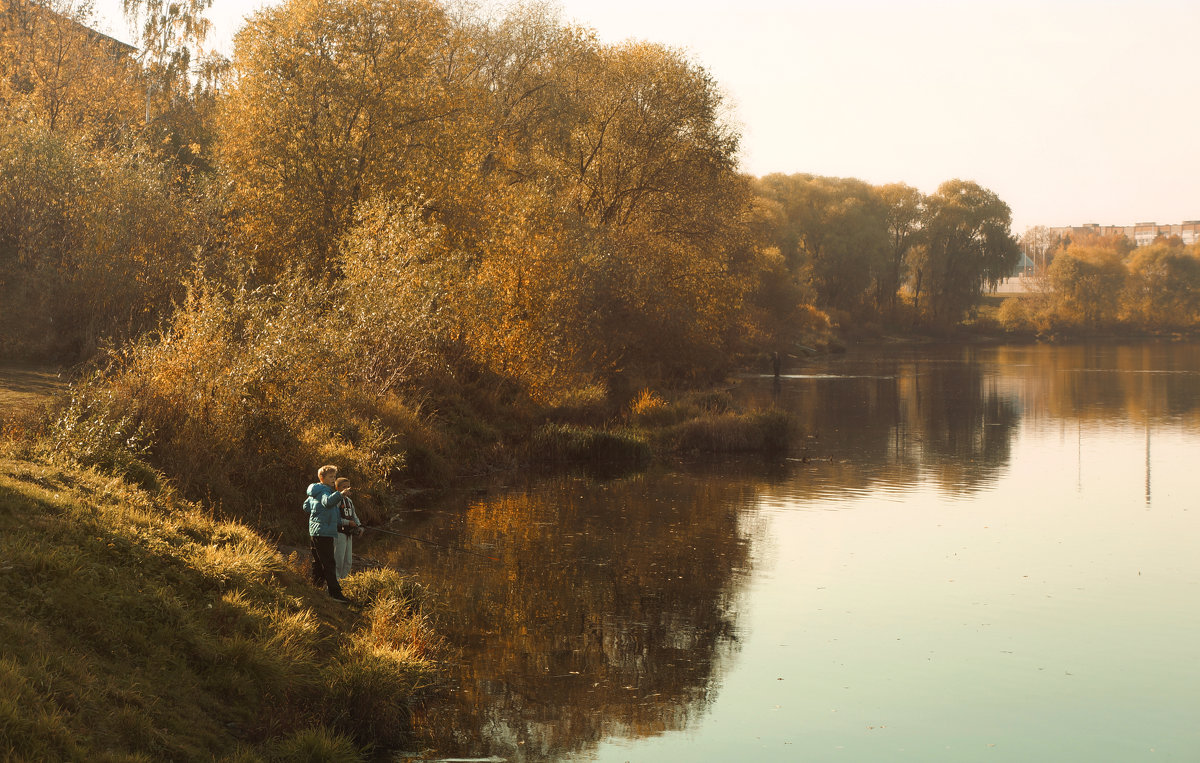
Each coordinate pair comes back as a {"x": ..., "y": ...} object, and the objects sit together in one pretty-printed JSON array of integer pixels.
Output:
[{"x": 136, "y": 628}]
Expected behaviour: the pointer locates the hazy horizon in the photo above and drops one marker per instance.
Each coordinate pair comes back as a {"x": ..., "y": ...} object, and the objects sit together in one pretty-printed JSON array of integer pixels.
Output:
[{"x": 1072, "y": 112}]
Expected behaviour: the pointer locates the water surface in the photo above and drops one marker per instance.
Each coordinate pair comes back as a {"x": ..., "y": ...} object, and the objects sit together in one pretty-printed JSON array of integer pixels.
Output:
[{"x": 975, "y": 554}]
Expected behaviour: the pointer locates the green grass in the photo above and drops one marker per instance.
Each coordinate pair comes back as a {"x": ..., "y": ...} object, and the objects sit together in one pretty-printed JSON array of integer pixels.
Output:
[
  {"x": 696, "y": 422},
  {"x": 766, "y": 431},
  {"x": 570, "y": 443},
  {"x": 137, "y": 628}
]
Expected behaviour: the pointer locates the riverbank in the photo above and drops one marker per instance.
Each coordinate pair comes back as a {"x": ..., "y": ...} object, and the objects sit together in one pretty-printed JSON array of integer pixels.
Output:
[
  {"x": 137, "y": 627},
  {"x": 985, "y": 330},
  {"x": 137, "y": 611}
]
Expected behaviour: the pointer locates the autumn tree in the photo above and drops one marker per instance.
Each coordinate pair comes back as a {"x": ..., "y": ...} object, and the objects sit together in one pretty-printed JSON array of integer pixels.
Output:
[
  {"x": 58, "y": 73},
  {"x": 630, "y": 248},
  {"x": 92, "y": 243},
  {"x": 968, "y": 247},
  {"x": 1117, "y": 242},
  {"x": 1086, "y": 283},
  {"x": 579, "y": 202},
  {"x": 333, "y": 101},
  {"x": 835, "y": 233},
  {"x": 1163, "y": 288},
  {"x": 649, "y": 167},
  {"x": 905, "y": 216},
  {"x": 171, "y": 33}
]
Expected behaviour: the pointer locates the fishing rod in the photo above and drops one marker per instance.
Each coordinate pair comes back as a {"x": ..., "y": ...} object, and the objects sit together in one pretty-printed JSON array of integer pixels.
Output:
[{"x": 433, "y": 543}]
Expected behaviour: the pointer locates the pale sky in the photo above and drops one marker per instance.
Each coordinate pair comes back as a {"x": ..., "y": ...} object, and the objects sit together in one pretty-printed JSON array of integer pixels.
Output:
[{"x": 1073, "y": 112}]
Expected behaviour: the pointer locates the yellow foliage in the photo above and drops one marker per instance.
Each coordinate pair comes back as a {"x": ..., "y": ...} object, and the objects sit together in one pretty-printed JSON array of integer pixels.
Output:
[
  {"x": 647, "y": 405},
  {"x": 57, "y": 73}
]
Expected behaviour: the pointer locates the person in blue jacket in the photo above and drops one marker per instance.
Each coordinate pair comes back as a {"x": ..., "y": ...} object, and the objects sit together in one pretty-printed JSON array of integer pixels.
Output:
[{"x": 323, "y": 504}]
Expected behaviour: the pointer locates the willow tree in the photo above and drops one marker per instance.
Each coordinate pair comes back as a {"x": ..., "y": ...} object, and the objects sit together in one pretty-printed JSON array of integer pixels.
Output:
[
  {"x": 968, "y": 247},
  {"x": 904, "y": 218},
  {"x": 835, "y": 232}
]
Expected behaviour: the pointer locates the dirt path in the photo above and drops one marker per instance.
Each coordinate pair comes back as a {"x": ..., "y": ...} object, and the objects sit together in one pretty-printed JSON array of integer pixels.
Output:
[{"x": 23, "y": 387}]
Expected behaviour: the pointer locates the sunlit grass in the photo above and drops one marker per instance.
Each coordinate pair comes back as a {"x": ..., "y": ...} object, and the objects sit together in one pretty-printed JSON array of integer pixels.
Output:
[{"x": 136, "y": 627}]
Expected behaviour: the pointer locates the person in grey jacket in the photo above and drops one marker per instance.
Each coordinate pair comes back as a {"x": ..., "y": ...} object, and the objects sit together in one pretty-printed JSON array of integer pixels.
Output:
[
  {"x": 322, "y": 504},
  {"x": 349, "y": 525}
]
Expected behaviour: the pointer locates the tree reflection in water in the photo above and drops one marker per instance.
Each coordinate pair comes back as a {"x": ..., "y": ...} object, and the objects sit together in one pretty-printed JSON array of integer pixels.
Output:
[
  {"x": 611, "y": 612},
  {"x": 613, "y": 609},
  {"x": 897, "y": 419}
]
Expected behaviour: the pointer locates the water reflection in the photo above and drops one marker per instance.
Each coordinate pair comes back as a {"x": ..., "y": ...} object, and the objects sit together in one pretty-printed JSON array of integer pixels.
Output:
[
  {"x": 1154, "y": 381},
  {"x": 611, "y": 611},
  {"x": 899, "y": 419},
  {"x": 616, "y": 607},
  {"x": 948, "y": 413}
]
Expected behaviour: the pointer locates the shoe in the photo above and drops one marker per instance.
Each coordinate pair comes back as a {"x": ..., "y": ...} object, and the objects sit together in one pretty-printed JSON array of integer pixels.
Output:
[{"x": 342, "y": 600}]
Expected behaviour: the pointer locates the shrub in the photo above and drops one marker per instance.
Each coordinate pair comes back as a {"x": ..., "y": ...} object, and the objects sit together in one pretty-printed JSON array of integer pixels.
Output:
[
  {"x": 91, "y": 431},
  {"x": 1013, "y": 316},
  {"x": 314, "y": 745},
  {"x": 585, "y": 405},
  {"x": 649, "y": 409},
  {"x": 91, "y": 243},
  {"x": 565, "y": 443},
  {"x": 243, "y": 396},
  {"x": 761, "y": 431}
]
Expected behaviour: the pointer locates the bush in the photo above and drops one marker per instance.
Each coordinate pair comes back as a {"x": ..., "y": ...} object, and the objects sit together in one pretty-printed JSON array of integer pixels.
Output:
[
  {"x": 315, "y": 745},
  {"x": 243, "y": 397},
  {"x": 1013, "y": 316},
  {"x": 761, "y": 432},
  {"x": 566, "y": 443},
  {"x": 91, "y": 243},
  {"x": 90, "y": 431},
  {"x": 648, "y": 409}
]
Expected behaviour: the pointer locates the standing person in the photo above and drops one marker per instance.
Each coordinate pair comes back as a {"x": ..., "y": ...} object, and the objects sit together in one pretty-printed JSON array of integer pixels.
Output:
[
  {"x": 349, "y": 525},
  {"x": 323, "y": 503}
]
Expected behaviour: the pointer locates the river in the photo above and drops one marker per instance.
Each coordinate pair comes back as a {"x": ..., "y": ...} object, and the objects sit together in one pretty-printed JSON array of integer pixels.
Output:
[{"x": 975, "y": 553}]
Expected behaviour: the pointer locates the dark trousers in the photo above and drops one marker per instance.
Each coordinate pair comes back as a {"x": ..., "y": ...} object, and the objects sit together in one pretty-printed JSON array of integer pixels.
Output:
[{"x": 324, "y": 568}]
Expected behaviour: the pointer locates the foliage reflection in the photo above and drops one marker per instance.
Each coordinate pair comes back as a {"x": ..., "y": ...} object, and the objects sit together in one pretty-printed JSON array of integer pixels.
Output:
[
  {"x": 611, "y": 607},
  {"x": 610, "y": 610}
]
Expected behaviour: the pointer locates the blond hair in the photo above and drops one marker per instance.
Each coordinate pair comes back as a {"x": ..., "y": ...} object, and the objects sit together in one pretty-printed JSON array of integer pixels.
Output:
[
  {"x": 326, "y": 470},
  {"x": 342, "y": 482}
]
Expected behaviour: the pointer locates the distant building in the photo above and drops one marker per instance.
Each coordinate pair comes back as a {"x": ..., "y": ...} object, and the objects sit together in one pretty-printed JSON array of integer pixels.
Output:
[{"x": 1140, "y": 234}]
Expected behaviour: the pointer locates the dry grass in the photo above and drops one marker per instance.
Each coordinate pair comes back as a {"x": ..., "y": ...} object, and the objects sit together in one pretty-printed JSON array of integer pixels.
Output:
[{"x": 143, "y": 629}]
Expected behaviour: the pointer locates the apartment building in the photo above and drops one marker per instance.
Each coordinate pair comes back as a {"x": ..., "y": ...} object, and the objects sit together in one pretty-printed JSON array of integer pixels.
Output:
[{"x": 1140, "y": 234}]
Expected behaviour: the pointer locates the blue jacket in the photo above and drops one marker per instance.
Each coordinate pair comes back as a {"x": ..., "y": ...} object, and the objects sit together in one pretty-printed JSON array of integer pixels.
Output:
[{"x": 322, "y": 505}]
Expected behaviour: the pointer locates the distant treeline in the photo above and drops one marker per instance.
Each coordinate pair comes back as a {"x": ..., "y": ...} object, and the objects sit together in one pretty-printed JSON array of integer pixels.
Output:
[
  {"x": 382, "y": 214},
  {"x": 1103, "y": 283}
]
